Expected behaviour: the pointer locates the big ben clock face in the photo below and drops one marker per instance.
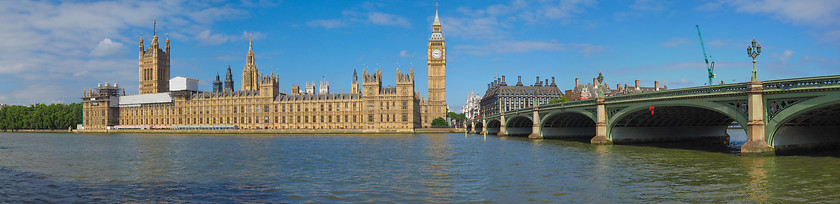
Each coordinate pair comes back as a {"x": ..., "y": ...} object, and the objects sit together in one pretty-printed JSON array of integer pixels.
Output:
[{"x": 436, "y": 53}]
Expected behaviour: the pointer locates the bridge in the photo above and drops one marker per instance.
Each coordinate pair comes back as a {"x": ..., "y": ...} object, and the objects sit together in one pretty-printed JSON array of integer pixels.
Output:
[{"x": 783, "y": 114}]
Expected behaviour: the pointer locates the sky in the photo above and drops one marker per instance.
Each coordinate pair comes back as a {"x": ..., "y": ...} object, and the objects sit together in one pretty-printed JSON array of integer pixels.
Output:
[{"x": 51, "y": 50}]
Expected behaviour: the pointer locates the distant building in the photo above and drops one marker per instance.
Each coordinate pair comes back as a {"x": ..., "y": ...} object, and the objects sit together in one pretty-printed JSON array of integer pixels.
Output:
[
  {"x": 594, "y": 90},
  {"x": 471, "y": 106},
  {"x": 324, "y": 88},
  {"x": 500, "y": 97}
]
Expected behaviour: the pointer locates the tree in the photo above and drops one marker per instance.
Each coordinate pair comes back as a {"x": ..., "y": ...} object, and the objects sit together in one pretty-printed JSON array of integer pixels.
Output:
[
  {"x": 55, "y": 116},
  {"x": 439, "y": 122},
  {"x": 558, "y": 100}
]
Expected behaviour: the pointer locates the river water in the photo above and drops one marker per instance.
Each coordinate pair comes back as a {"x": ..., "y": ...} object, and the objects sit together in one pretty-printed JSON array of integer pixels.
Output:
[{"x": 444, "y": 168}]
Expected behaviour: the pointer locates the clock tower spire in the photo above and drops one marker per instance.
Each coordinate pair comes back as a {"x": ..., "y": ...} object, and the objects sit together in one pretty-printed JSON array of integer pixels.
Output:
[{"x": 435, "y": 107}]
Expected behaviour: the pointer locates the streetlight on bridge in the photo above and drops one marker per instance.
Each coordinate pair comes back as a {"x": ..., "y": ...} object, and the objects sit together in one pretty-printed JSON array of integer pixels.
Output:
[{"x": 757, "y": 47}]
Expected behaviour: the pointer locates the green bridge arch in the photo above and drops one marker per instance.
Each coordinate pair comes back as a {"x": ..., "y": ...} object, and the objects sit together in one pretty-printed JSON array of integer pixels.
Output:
[
  {"x": 815, "y": 101},
  {"x": 718, "y": 105}
]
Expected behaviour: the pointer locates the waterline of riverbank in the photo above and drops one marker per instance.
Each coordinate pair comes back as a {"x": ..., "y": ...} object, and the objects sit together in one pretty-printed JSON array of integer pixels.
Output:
[{"x": 278, "y": 131}]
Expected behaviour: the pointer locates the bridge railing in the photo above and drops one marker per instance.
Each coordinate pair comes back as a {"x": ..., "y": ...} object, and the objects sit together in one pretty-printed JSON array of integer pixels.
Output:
[
  {"x": 723, "y": 88},
  {"x": 820, "y": 81},
  {"x": 772, "y": 85}
]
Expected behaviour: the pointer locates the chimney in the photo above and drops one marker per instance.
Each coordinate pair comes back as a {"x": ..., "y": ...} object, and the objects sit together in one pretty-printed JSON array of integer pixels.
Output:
[
  {"x": 637, "y": 84},
  {"x": 503, "y": 78},
  {"x": 656, "y": 85},
  {"x": 577, "y": 82},
  {"x": 552, "y": 82},
  {"x": 618, "y": 86},
  {"x": 538, "y": 80},
  {"x": 546, "y": 82}
]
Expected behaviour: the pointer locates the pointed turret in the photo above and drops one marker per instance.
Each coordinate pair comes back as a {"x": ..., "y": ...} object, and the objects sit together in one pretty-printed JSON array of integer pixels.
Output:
[
  {"x": 354, "y": 84},
  {"x": 217, "y": 85},
  {"x": 167, "y": 43},
  {"x": 437, "y": 20},
  {"x": 142, "y": 47},
  {"x": 153, "y": 66},
  {"x": 228, "y": 81},
  {"x": 250, "y": 57},
  {"x": 250, "y": 74},
  {"x": 154, "y": 36},
  {"x": 436, "y": 24}
]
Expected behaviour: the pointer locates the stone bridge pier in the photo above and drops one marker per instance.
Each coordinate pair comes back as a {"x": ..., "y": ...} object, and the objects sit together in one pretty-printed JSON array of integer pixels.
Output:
[
  {"x": 502, "y": 129},
  {"x": 535, "y": 128},
  {"x": 600, "y": 124},
  {"x": 756, "y": 143}
]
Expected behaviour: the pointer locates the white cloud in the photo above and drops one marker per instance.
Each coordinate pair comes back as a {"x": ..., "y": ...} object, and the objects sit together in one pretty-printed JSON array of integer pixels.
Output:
[
  {"x": 365, "y": 13},
  {"x": 492, "y": 22},
  {"x": 785, "y": 55},
  {"x": 47, "y": 42},
  {"x": 326, "y": 23},
  {"x": 709, "y": 6},
  {"x": 675, "y": 42},
  {"x": 641, "y": 8},
  {"x": 404, "y": 53},
  {"x": 648, "y": 5},
  {"x": 810, "y": 12},
  {"x": 681, "y": 83},
  {"x": 107, "y": 47},
  {"x": 387, "y": 19},
  {"x": 502, "y": 47}
]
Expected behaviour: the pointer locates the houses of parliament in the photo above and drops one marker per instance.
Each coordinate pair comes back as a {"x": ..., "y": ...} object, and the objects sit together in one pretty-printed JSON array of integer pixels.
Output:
[{"x": 176, "y": 103}]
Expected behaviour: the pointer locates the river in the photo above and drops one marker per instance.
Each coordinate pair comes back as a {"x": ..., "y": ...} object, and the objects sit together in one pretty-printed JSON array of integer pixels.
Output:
[{"x": 442, "y": 168}]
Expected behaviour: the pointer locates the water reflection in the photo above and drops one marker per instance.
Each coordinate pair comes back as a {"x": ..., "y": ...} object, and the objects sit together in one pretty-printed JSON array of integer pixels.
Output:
[
  {"x": 393, "y": 168},
  {"x": 437, "y": 168},
  {"x": 756, "y": 181}
]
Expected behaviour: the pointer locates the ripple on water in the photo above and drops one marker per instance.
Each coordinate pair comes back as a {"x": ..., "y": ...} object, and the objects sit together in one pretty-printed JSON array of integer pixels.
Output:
[{"x": 408, "y": 169}]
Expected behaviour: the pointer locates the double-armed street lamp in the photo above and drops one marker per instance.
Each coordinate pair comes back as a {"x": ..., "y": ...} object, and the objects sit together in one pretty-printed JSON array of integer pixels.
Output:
[{"x": 757, "y": 47}]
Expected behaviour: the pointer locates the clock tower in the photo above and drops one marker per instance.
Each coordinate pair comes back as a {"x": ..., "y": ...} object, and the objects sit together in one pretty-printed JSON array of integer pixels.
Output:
[{"x": 436, "y": 58}]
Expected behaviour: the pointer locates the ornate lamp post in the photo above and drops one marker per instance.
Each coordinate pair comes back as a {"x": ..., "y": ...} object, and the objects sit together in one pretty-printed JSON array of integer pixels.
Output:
[
  {"x": 757, "y": 47},
  {"x": 600, "y": 80}
]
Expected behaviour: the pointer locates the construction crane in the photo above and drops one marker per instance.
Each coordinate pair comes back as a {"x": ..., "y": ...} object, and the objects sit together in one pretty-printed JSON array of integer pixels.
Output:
[{"x": 709, "y": 67}]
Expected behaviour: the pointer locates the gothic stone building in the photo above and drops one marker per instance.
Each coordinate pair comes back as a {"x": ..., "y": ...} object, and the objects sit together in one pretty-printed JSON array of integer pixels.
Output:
[{"x": 259, "y": 105}]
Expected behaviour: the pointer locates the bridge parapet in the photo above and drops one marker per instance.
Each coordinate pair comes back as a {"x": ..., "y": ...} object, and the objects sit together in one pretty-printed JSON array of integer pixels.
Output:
[
  {"x": 716, "y": 89},
  {"x": 809, "y": 82},
  {"x": 587, "y": 102}
]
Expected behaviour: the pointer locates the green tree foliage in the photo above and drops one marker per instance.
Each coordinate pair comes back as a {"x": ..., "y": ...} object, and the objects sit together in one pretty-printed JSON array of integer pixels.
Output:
[
  {"x": 558, "y": 100},
  {"x": 439, "y": 122},
  {"x": 53, "y": 116},
  {"x": 456, "y": 116}
]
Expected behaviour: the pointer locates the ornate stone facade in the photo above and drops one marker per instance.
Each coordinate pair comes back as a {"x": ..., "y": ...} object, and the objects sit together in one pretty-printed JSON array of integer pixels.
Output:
[
  {"x": 502, "y": 98},
  {"x": 369, "y": 107},
  {"x": 591, "y": 91},
  {"x": 435, "y": 106},
  {"x": 471, "y": 106},
  {"x": 154, "y": 66}
]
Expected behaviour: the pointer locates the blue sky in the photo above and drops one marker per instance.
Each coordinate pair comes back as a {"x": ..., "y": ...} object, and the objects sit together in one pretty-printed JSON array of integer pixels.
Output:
[{"x": 51, "y": 50}]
